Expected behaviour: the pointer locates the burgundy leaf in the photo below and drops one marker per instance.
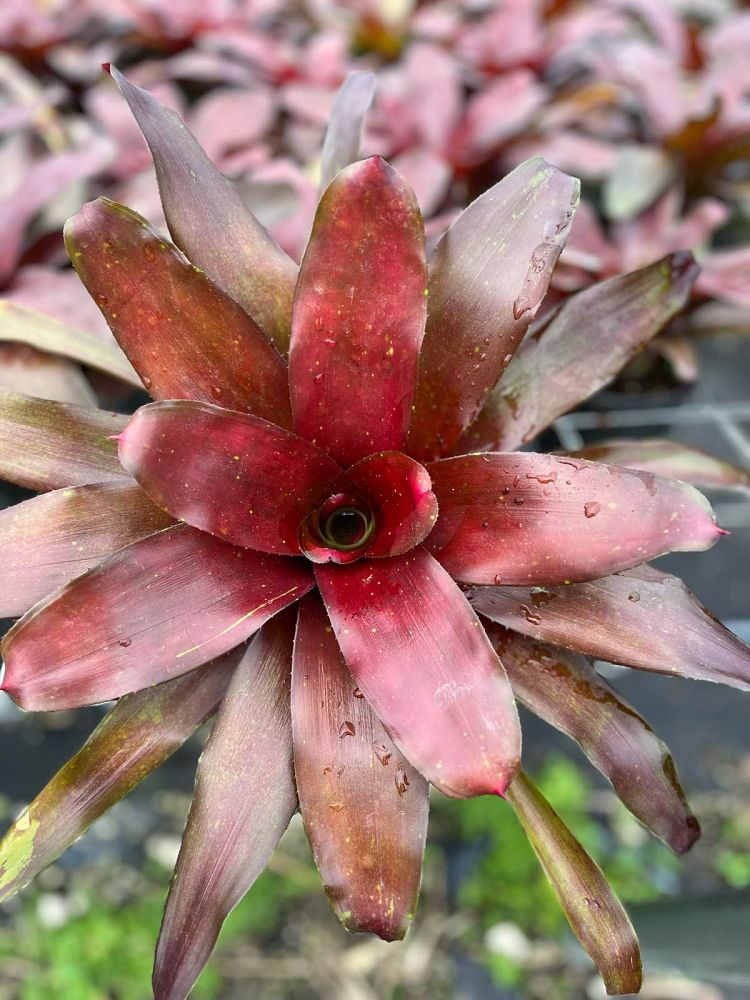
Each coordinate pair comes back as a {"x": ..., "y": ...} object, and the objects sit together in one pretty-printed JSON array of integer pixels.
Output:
[
  {"x": 579, "y": 350},
  {"x": 424, "y": 663},
  {"x": 25, "y": 326},
  {"x": 565, "y": 690},
  {"x": 47, "y": 541},
  {"x": 249, "y": 482},
  {"x": 344, "y": 132},
  {"x": 185, "y": 338},
  {"x": 45, "y": 445},
  {"x": 595, "y": 914},
  {"x": 401, "y": 494},
  {"x": 209, "y": 221},
  {"x": 669, "y": 458},
  {"x": 152, "y": 611},
  {"x": 244, "y": 799},
  {"x": 364, "y": 806},
  {"x": 359, "y": 315},
  {"x": 525, "y": 518},
  {"x": 488, "y": 275},
  {"x": 641, "y": 618},
  {"x": 135, "y": 738}
]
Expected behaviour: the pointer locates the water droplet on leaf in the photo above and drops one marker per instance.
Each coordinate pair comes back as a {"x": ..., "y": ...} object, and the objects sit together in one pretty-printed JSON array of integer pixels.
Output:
[
  {"x": 592, "y": 508},
  {"x": 402, "y": 781},
  {"x": 382, "y": 753},
  {"x": 346, "y": 729}
]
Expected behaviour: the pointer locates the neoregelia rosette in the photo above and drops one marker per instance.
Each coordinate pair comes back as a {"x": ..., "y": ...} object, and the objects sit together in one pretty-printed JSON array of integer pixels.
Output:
[{"x": 342, "y": 505}]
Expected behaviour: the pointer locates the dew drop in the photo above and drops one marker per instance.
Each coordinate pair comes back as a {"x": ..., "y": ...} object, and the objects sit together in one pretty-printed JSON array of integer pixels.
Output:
[
  {"x": 317, "y": 379},
  {"x": 346, "y": 729},
  {"x": 382, "y": 753},
  {"x": 542, "y": 477},
  {"x": 402, "y": 781},
  {"x": 594, "y": 904},
  {"x": 318, "y": 323},
  {"x": 216, "y": 391},
  {"x": 634, "y": 596},
  {"x": 102, "y": 300},
  {"x": 330, "y": 342},
  {"x": 592, "y": 508},
  {"x": 498, "y": 579},
  {"x": 358, "y": 693},
  {"x": 147, "y": 382},
  {"x": 125, "y": 642}
]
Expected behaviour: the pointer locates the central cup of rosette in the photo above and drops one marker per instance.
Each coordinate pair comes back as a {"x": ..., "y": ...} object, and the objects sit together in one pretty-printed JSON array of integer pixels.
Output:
[{"x": 382, "y": 506}]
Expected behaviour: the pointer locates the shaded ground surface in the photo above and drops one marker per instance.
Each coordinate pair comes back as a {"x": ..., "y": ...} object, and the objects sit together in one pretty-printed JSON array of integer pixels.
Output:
[{"x": 705, "y": 726}]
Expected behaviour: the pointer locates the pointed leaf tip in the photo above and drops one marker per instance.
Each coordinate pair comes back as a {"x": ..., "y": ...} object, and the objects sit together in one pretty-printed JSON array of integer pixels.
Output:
[
  {"x": 488, "y": 275},
  {"x": 363, "y": 804},
  {"x": 244, "y": 799},
  {"x": 209, "y": 220},
  {"x": 596, "y": 915},
  {"x": 578, "y": 350}
]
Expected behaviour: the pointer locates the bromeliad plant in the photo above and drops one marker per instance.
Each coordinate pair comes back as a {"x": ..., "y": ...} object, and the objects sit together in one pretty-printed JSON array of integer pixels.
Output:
[{"x": 360, "y": 508}]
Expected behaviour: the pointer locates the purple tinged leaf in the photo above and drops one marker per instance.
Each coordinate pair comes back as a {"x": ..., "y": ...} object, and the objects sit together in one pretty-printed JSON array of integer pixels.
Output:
[
  {"x": 423, "y": 662},
  {"x": 34, "y": 373},
  {"x": 25, "y": 326},
  {"x": 679, "y": 352},
  {"x": 564, "y": 689},
  {"x": 244, "y": 799},
  {"x": 249, "y": 482},
  {"x": 595, "y": 914},
  {"x": 209, "y": 221},
  {"x": 669, "y": 458},
  {"x": 185, "y": 337},
  {"x": 364, "y": 806},
  {"x": 501, "y": 109},
  {"x": 154, "y": 610},
  {"x": 341, "y": 145},
  {"x": 45, "y": 445},
  {"x": 579, "y": 350},
  {"x": 42, "y": 183},
  {"x": 641, "y": 618},
  {"x": 49, "y": 540},
  {"x": 525, "y": 518},
  {"x": 133, "y": 739},
  {"x": 359, "y": 314},
  {"x": 488, "y": 275}
]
